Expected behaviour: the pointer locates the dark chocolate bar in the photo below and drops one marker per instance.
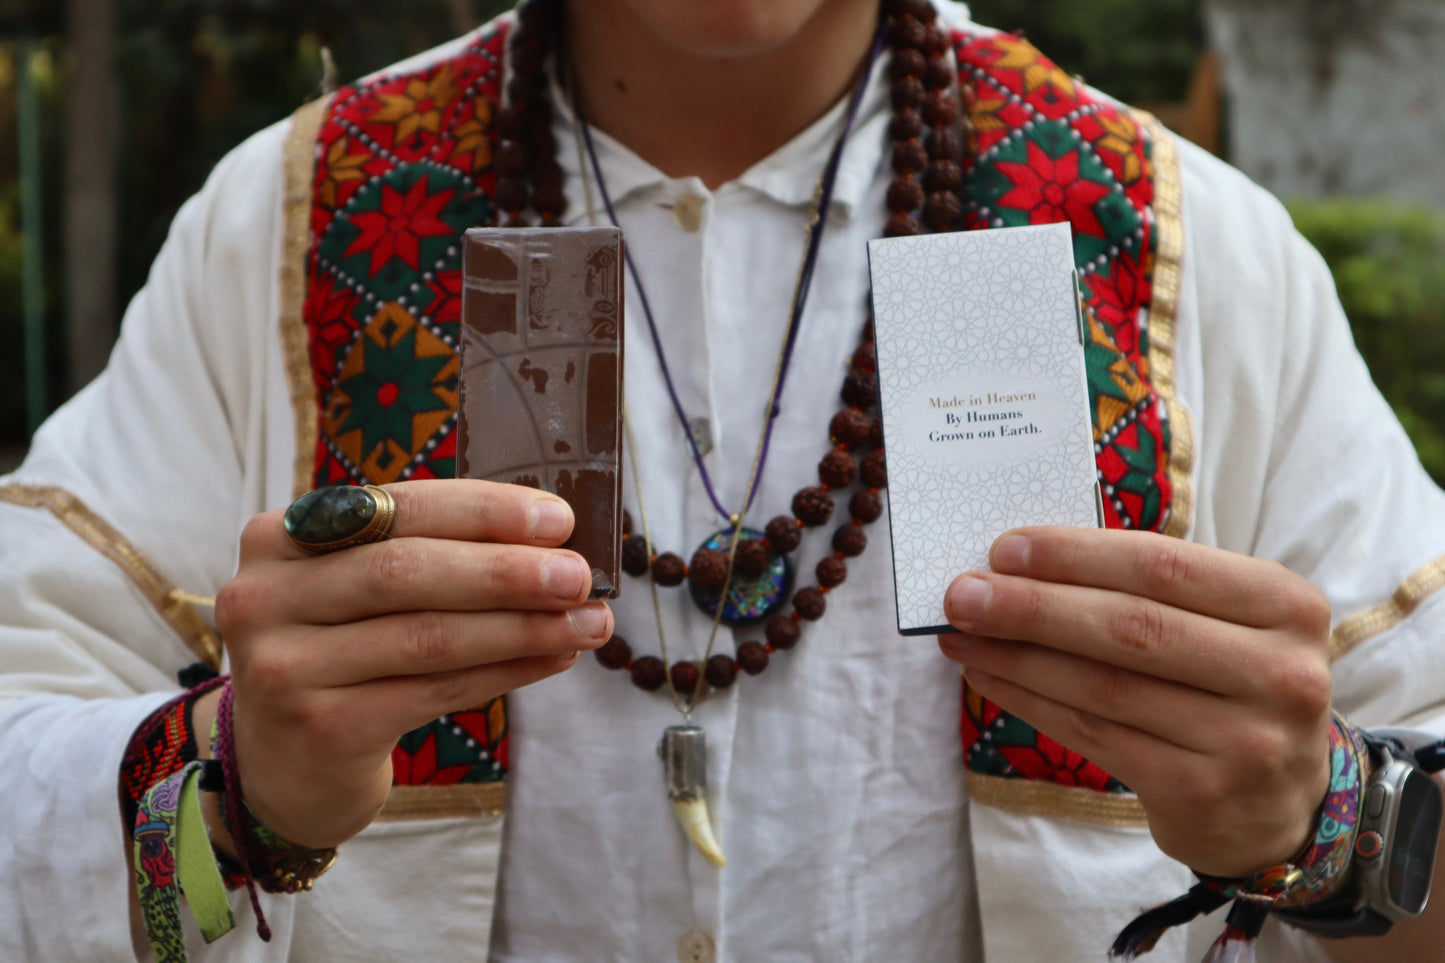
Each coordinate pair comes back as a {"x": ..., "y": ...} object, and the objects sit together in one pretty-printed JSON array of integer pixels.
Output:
[{"x": 541, "y": 392}]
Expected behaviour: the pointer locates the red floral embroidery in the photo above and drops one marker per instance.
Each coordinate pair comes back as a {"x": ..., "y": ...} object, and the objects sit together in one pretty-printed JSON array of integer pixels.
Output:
[
  {"x": 1051, "y": 190},
  {"x": 397, "y": 229}
]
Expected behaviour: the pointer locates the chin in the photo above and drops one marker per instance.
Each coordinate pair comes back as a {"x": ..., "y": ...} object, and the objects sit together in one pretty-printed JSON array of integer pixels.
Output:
[{"x": 730, "y": 28}]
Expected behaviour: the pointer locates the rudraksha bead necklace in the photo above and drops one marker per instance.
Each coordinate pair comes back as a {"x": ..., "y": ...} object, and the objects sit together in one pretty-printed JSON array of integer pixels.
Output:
[{"x": 932, "y": 137}]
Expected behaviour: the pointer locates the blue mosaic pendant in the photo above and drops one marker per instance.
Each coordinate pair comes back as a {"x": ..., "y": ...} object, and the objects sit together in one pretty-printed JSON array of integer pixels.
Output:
[{"x": 747, "y": 600}]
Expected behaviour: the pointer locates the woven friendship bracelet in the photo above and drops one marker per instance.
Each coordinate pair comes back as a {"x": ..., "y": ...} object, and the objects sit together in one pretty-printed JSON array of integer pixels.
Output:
[{"x": 1314, "y": 875}]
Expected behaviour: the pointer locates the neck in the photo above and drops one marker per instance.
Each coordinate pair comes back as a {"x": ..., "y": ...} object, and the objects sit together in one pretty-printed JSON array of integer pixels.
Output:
[{"x": 711, "y": 112}]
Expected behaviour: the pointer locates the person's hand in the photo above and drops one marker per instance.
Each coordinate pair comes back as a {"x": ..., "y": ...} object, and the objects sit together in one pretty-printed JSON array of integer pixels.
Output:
[
  {"x": 1197, "y": 677},
  {"x": 333, "y": 658}
]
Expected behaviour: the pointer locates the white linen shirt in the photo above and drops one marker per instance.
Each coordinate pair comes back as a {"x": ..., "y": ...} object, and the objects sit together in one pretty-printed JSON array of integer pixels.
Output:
[{"x": 836, "y": 778}]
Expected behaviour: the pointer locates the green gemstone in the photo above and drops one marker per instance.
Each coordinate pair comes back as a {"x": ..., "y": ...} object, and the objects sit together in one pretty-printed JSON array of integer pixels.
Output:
[{"x": 329, "y": 514}]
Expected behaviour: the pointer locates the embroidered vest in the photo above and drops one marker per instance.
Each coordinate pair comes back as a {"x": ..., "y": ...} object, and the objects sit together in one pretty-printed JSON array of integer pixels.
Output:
[{"x": 403, "y": 165}]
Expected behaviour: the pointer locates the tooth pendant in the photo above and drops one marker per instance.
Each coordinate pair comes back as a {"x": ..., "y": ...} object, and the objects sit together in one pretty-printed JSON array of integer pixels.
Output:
[{"x": 684, "y": 757}]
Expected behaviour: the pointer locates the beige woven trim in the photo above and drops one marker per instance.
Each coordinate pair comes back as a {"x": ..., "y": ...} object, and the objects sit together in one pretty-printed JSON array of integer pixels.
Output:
[
  {"x": 299, "y": 170},
  {"x": 1420, "y": 585},
  {"x": 175, "y": 606},
  {"x": 1028, "y": 797},
  {"x": 471, "y": 800},
  {"x": 1164, "y": 315}
]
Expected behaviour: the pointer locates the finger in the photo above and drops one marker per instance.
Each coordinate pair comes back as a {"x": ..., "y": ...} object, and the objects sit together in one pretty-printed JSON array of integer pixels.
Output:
[
  {"x": 1131, "y": 755},
  {"x": 405, "y": 702},
  {"x": 1198, "y": 578},
  {"x": 413, "y": 574},
  {"x": 1122, "y": 630},
  {"x": 430, "y": 642},
  {"x": 458, "y": 508},
  {"x": 1178, "y": 714}
]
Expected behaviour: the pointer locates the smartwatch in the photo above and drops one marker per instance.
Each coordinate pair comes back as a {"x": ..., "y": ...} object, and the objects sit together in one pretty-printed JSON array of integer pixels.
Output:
[{"x": 1394, "y": 857}]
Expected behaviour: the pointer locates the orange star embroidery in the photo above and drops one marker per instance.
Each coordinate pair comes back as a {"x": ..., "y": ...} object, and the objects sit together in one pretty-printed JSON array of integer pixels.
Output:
[
  {"x": 1021, "y": 55},
  {"x": 472, "y": 137},
  {"x": 339, "y": 168},
  {"x": 985, "y": 114},
  {"x": 419, "y": 106},
  {"x": 1120, "y": 139}
]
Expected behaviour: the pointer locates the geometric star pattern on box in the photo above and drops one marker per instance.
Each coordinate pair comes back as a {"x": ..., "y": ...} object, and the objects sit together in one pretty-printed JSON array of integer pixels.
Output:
[{"x": 403, "y": 165}]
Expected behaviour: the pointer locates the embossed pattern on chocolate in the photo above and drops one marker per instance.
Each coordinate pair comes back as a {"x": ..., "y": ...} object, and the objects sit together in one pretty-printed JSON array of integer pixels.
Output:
[{"x": 541, "y": 392}]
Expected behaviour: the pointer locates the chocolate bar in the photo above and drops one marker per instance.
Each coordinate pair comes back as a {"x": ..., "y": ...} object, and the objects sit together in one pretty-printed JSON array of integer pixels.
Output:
[{"x": 541, "y": 391}]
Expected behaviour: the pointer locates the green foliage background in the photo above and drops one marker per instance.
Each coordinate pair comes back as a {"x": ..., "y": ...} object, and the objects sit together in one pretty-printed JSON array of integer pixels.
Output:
[{"x": 1389, "y": 267}]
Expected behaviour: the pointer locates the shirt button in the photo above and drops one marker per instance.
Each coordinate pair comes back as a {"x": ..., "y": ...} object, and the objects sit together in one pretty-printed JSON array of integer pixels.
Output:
[
  {"x": 696, "y": 947},
  {"x": 687, "y": 212}
]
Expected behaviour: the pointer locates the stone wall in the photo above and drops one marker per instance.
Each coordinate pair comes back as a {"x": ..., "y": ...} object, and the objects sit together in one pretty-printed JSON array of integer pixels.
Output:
[{"x": 1330, "y": 97}]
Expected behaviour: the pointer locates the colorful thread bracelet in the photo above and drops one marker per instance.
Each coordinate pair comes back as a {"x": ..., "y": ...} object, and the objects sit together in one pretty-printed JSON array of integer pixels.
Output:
[{"x": 1316, "y": 874}]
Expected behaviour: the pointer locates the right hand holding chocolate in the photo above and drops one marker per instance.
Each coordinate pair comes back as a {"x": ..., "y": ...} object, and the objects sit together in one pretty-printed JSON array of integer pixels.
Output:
[{"x": 335, "y": 657}]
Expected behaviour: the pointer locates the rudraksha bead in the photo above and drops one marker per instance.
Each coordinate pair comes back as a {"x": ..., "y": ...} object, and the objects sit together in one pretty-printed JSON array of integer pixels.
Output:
[
  {"x": 549, "y": 199},
  {"x": 907, "y": 92},
  {"x": 813, "y": 506},
  {"x": 938, "y": 75},
  {"x": 944, "y": 143},
  {"x": 684, "y": 678},
  {"x": 941, "y": 210},
  {"x": 905, "y": 125},
  {"x": 524, "y": 91},
  {"x": 708, "y": 569},
  {"x": 940, "y": 108},
  {"x": 908, "y": 32},
  {"x": 634, "y": 555},
  {"x": 721, "y": 671},
  {"x": 648, "y": 673},
  {"x": 849, "y": 427},
  {"x": 511, "y": 193},
  {"x": 865, "y": 506},
  {"x": 905, "y": 194},
  {"x": 850, "y": 539},
  {"x": 752, "y": 657},
  {"x": 873, "y": 470},
  {"x": 909, "y": 157},
  {"x": 875, "y": 431},
  {"x": 511, "y": 159},
  {"x": 943, "y": 175},
  {"x": 860, "y": 388},
  {"x": 810, "y": 604},
  {"x": 526, "y": 55},
  {"x": 668, "y": 569},
  {"x": 831, "y": 572},
  {"x": 837, "y": 469},
  {"x": 907, "y": 63},
  {"x": 783, "y": 632},
  {"x": 510, "y": 123},
  {"x": 866, "y": 358},
  {"x": 752, "y": 558},
  {"x": 783, "y": 534},
  {"x": 936, "y": 43},
  {"x": 615, "y": 653},
  {"x": 902, "y": 225},
  {"x": 626, "y": 522}
]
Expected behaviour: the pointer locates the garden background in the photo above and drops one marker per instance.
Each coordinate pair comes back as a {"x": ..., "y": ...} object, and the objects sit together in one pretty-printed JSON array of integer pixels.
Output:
[{"x": 112, "y": 112}]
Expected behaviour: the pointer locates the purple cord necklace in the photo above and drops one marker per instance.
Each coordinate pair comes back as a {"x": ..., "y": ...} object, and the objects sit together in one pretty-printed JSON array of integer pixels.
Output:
[{"x": 800, "y": 293}]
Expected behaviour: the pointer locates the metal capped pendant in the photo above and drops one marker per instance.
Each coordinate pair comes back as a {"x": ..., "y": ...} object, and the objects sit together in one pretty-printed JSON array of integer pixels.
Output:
[
  {"x": 748, "y": 600},
  {"x": 684, "y": 759}
]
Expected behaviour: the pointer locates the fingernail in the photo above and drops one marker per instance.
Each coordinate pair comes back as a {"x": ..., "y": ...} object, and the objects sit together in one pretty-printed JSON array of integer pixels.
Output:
[
  {"x": 565, "y": 575},
  {"x": 591, "y": 620},
  {"x": 968, "y": 599},
  {"x": 549, "y": 519},
  {"x": 1010, "y": 554}
]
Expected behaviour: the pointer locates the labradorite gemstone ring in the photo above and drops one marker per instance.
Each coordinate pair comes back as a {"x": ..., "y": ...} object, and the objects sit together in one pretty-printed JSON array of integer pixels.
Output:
[{"x": 339, "y": 516}]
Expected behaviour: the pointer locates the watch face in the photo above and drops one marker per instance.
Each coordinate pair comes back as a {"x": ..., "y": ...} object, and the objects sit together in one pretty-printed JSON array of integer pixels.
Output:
[{"x": 1412, "y": 851}]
